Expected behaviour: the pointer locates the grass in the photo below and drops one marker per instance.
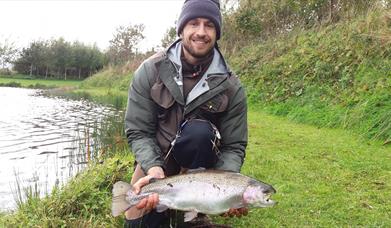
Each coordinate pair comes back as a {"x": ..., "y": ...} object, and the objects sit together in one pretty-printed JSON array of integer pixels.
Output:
[
  {"x": 334, "y": 76},
  {"x": 83, "y": 202},
  {"x": 324, "y": 178},
  {"x": 101, "y": 88},
  {"x": 37, "y": 83}
]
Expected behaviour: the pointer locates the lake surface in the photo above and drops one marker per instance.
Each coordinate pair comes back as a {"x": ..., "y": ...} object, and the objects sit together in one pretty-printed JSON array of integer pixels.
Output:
[{"x": 43, "y": 140}]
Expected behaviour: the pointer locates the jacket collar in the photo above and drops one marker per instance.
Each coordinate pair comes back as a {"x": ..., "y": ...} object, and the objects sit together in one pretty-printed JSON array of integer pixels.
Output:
[{"x": 218, "y": 70}]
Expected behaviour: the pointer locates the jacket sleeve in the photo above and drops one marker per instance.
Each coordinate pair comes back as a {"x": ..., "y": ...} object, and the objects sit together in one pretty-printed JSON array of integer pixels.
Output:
[
  {"x": 233, "y": 130},
  {"x": 140, "y": 120}
]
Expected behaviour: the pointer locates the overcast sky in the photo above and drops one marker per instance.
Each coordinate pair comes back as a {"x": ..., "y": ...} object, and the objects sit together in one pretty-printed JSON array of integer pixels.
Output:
[{"x": 88, "y": 21}]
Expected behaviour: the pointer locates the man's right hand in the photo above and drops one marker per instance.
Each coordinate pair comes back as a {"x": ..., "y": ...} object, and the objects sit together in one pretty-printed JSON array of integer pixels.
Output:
[{"x": 152, "y": 200}]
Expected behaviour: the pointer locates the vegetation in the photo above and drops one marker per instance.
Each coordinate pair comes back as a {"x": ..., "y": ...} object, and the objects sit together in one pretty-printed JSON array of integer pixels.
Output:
[
  {"x": 26, "y": 82},
  {"x": 334, "y": 76},
  {"x": 123, "y": 45},
  {"x": 323, "y": 177},
  {"x": 59, "y": 59},
  {"x": 83, "y": 202},
  {"x": 257, "y": 21},
  {"x": 7, "y": 54},
  {"x": 322, "y": 63}
]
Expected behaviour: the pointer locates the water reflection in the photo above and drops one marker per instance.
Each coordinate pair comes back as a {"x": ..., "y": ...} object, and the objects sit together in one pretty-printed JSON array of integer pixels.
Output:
[{"x": 41, "y": 139}]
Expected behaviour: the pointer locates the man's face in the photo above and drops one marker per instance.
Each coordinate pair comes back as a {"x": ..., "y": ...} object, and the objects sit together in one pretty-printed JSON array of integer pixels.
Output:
[{"x": 198, "y": 38}]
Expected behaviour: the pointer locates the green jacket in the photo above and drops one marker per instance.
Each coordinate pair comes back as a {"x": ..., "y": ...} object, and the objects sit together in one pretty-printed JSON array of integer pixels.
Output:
[{"x": 156, "y": 107}]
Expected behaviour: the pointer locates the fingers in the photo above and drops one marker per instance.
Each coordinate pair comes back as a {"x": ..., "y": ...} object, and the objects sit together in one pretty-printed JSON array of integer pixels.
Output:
[
  {"x": 153, "y": 200},
  {"x": 142, "y": 203},
  {"x": 154, "y": 172},
  {"x": 149, "y": 203},
  {"x": 140, "y": 183}
]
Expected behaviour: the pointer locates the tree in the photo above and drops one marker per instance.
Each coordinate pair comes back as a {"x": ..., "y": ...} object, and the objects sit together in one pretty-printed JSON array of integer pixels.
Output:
[
  {"x": 7, "y": 53},
  {"x": 123, "y": 45},
  {"x": 169, "y": 37}
]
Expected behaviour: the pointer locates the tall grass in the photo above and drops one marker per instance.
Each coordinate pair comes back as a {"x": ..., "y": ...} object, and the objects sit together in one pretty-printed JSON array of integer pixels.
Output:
[{"x": 333, "y": 76}]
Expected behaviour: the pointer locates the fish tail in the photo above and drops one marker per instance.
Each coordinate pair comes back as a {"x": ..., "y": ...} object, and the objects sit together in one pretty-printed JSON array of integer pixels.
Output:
[{"x": 119, "y": 202}]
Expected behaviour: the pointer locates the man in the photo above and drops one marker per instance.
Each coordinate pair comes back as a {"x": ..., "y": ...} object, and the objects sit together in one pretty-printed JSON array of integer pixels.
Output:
[{"x": 185, "y": 110}]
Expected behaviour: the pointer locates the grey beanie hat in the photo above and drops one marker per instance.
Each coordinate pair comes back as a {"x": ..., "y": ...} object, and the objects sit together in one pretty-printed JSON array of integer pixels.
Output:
[{"x": 209, "y": 9}]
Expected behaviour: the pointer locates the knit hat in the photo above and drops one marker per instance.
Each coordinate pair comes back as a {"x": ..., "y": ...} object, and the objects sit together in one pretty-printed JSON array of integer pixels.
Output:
[{"x": 192, "y": 9}]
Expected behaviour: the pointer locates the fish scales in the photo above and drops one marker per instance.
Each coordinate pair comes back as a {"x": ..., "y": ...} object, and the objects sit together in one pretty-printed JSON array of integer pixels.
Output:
[{"x": 209, "y": 192}]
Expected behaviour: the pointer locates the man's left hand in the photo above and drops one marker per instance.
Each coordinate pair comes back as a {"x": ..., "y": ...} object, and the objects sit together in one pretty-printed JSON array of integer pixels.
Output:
[{"x": 239, "y": 212}]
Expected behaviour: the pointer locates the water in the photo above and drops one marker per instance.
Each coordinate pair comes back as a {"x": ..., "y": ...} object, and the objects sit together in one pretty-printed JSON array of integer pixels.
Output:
[{"x": 43, "y": 140}]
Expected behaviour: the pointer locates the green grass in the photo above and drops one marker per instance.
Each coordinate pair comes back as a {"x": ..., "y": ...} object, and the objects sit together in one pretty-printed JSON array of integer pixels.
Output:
[
  {"x": 335, "y": 76},
  {"x": 37, "y": 83},
  {"x": 323, "y": 177},
  {"x": 83, "y": 202},
  {"x": 108, "y": 87}
]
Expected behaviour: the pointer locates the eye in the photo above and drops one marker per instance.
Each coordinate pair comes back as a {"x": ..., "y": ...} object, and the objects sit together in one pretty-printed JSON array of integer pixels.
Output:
[
  {"x": 210, "y": 25},
  {"x": 193, "y": 23}
]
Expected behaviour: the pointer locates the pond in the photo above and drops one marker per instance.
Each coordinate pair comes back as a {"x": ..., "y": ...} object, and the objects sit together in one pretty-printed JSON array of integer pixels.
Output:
[{"x": 43, "y": 140}]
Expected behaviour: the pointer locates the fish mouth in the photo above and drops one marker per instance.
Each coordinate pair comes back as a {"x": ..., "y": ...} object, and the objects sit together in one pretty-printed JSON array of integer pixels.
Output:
[{"x": 268, "y": 202}]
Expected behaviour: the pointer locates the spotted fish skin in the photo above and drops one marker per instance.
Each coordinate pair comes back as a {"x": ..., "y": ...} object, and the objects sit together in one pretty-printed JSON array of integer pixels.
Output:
[{"x": 207, "y": 191}]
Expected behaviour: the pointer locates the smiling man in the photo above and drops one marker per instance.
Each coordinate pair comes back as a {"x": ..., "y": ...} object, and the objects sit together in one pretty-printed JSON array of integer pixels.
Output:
[{"x": 186, "y": 110}]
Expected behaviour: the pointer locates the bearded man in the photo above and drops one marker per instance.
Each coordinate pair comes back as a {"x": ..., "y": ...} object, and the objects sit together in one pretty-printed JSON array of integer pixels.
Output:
[{"x": 186, "y": 110}]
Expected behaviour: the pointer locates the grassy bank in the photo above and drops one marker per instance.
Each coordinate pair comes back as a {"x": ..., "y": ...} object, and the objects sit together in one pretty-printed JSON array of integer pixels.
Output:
[
  {"x": 332, "y": 76},
  {"x": 323, "y": 177},
  {"x": 36, "y": 83},
  {"x": 110, "y": 86}
]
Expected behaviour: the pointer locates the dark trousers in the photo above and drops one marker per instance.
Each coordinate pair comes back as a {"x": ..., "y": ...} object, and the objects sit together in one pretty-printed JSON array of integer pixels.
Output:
[{"x": 194, "y": 147}]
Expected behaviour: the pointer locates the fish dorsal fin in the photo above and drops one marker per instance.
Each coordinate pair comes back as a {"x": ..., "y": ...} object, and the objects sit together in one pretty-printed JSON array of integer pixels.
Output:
[{"x": 190, "y": 215}]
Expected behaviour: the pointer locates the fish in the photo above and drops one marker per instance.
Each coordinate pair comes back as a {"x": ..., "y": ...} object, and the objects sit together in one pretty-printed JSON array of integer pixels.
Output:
[{"x": 209, "y": 192}]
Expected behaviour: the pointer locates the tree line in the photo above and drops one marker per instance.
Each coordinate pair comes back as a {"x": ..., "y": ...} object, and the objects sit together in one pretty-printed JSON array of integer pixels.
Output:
[{"x": 58, "y": 58}]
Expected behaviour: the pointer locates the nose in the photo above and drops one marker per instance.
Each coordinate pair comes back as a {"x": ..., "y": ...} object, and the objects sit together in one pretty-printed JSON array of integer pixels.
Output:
[{"x": 201, "y": 30}]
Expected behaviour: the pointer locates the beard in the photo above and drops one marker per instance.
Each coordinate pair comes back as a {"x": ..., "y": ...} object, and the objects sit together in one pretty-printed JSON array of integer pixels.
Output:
[{"x": 195, "y": 53}]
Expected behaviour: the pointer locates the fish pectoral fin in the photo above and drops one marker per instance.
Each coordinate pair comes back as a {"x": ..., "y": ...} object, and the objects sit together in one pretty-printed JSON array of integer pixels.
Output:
[
  {"x": 190, "y": 215},
  {"x": 160, "y": 208}
]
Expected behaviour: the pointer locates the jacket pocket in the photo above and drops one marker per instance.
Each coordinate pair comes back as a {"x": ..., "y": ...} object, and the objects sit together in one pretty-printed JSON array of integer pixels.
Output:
[
  {"x": 163, "y": 98},
  {"x": 161, "y": 95},
  {"x": 217, "y": 104}
]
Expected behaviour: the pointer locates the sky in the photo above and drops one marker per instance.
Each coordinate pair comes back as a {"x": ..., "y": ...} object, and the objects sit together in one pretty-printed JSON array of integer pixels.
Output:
[{"x": 88, "y": 21}]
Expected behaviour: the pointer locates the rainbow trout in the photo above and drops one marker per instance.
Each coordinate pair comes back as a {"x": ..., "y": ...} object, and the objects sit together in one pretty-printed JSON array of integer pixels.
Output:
[{"x": 208, "y": 192}]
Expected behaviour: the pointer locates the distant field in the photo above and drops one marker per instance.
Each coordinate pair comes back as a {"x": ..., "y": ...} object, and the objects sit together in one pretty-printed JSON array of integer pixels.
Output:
[{"x": 36, "y": 83}]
